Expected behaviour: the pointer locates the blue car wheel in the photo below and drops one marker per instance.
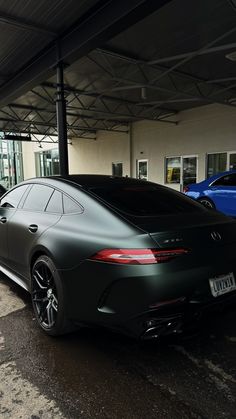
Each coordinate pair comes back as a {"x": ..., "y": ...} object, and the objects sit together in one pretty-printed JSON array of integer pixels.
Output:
[{"x": 207, "y": 203}]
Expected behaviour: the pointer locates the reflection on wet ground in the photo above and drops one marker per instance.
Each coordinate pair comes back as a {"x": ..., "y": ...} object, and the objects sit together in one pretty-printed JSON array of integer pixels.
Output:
[{"x": 95, "y": 373}]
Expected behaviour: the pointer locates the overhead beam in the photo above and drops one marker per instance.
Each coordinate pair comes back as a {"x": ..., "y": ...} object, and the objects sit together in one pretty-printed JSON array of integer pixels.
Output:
[
  {"x": 196, "y": 81},
  {"x": 178, "y": 73},
  {"x": 35, "y": 133},
  {"x": 222, "y": 80},
  {"x": 195, "y": 54},
  {"x": 109, "y": 20},
  {"x": 130, "y": 85},
  {"x": 107, "y": 115},
  {"x": 157, "y": 102},
  {"x": 207, "y": 51},
  {"x": 25, "y": 25},
  {"x": 97, "y": 94},
  {"x": 46, "y": 124},
  {"x": 78, "y": 114}
]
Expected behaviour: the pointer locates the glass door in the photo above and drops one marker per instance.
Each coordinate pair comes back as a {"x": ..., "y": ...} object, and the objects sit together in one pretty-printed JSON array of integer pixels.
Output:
[
  {"x": 232, "y": 161},
  {"x": 117, "y": 169},
  {"x": 142, "y": 169},
  {"x": 47, "y": 163},
  {"x": 11, "y": 164},
  {"x": 189, "y": 170}
]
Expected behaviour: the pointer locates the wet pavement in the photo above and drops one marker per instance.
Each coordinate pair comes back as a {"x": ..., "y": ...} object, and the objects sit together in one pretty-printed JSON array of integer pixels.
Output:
[{"x": 97, "y": 374}]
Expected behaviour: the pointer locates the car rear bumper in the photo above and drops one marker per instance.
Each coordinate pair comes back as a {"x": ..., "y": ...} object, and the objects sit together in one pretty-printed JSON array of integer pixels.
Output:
[
  {"x": 143, "y": 300},
  {"x": 175, "y": 318}
]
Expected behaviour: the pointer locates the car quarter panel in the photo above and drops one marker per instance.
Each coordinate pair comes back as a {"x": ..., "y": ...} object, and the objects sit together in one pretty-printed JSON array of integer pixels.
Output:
[{"x": 79, "y": 236}]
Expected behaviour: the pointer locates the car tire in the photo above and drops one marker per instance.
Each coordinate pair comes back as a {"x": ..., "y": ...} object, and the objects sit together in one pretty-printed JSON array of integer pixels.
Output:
[
  {"x": 208, "y": 203},
  {"x": 48, "y": 298}
]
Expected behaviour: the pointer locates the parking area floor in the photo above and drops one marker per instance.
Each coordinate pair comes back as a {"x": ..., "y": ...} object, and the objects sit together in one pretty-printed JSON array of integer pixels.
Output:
[{"x": 98, "y": 374}]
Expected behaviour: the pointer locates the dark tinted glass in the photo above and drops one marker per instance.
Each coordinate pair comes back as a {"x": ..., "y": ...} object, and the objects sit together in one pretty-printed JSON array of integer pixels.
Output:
[
  {"x": 227, "y": 180},
  {"x": 70, "y": 206},
  {"x": 38, "y": 198},
  {"x": 216, "y": 163},
  {"x": 2, "y": 190},
  {"x": 117, "y": 169},
  {"x": 13, "y": 197},
  {"x": 55, "y": 203},
  {"x": 146, "y": 200}
]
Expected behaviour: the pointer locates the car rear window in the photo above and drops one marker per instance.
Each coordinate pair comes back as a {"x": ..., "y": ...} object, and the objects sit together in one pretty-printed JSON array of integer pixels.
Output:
[{"x": 146, "y": 200}]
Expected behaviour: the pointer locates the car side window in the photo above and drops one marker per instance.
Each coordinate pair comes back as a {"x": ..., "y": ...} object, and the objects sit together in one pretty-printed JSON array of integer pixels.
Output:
[
  {"x": 55, "y": 203},
  {"x": 38, "y": 198},
  {"x": 13, "y": 197},
  {"x": 70, "y": 206},
  {"x": 2, "y": 190},
  {"x": 227, "y": 180}
]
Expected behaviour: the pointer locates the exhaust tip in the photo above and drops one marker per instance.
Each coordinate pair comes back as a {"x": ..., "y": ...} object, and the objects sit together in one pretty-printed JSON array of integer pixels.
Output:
[{"x": 158, "y": 327}]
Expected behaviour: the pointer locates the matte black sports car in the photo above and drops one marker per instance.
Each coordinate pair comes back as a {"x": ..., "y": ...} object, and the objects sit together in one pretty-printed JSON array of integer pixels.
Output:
[{"x": 117, "y": 252}]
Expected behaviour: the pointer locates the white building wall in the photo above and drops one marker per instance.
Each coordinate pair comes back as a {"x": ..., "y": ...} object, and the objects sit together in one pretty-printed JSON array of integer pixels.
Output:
[
  {"x": 96, "y": 156},
  {"x": 202, "y": 130}
]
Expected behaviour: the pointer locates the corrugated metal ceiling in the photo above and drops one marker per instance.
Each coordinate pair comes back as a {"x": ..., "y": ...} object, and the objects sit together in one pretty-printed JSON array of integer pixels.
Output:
[{"x": 172, "y": 59}]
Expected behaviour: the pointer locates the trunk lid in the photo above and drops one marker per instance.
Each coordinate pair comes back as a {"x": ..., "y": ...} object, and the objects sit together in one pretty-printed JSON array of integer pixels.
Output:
[{"x": 205, "y": 230}]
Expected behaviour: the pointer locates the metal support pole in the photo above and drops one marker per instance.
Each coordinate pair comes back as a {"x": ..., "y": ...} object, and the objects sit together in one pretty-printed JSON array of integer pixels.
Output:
[
  {"x": 61, "y": 121},
  {"x": 131, "y": 149}
]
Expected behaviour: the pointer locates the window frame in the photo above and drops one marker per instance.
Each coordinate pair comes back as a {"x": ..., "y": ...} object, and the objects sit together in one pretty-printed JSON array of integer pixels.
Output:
[
  {"x": 137, "y": 168},
  {"x": 72, "y": 199},
  {"x": 62, "y": 207},
  {"x": 182, "y": 157},
  {"x": 228, "y": 154},
  {"x": 114, "y": 163},
  {"x": 40, "y": 161}
]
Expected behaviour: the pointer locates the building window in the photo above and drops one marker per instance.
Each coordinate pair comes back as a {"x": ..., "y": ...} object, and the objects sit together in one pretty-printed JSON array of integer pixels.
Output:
[
  {"x": 47, "y": 163},
  {"x": 117, "y": 169},
  {"x": 232, "y": 161},
  {"x": 11, "y": 163},
  {"x": 220, "y": 162},
  {"x": 173, "y": 169},
  {"x": 216, "y": 163},
  {"x": 181, "y": 170},
  {"x": 142, "y": 169}
]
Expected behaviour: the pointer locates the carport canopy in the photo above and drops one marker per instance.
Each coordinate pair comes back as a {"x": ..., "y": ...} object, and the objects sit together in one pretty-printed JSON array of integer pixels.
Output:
[{"x": 71, "y": 68}]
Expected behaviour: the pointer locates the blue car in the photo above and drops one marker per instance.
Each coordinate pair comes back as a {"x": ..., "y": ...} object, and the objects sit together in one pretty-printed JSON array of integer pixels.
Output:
[{"x": 217, "y": 192}]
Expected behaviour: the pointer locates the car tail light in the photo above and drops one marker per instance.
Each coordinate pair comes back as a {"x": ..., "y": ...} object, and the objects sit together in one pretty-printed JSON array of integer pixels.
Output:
[
  {"x": 138, "y": 256},
  {"x": 185, "y": 189}
]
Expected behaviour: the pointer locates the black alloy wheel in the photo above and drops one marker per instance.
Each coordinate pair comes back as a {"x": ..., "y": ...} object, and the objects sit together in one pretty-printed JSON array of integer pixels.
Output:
[
  {"x": 47, "y": 297},
  {"x": 207, "y": 203}
]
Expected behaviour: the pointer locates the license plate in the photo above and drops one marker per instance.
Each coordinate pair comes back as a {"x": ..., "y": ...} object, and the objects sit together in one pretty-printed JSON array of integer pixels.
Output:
[{"x": 222, "y": 284}]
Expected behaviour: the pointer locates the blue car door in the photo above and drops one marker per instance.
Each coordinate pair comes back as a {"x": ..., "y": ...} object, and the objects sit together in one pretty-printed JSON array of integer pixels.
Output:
[{"x": 223, "y": 194}]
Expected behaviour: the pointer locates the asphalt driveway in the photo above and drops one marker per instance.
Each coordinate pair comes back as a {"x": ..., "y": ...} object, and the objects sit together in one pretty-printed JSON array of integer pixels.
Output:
[{"x": 98, "y": 374}]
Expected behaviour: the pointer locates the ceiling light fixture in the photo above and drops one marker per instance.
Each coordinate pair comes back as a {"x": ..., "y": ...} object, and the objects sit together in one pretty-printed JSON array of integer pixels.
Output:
[{"x": 144, "y": 93}]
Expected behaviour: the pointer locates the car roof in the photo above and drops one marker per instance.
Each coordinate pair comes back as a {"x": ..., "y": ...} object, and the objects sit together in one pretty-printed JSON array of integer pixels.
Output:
[
  {"x": 90, "y": 180},
  {"x": 218, "y": 175}
]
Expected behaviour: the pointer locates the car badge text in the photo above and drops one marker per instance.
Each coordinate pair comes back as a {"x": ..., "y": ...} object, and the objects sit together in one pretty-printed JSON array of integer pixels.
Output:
[
  {"x": 215, "y": 236},
  {"x": 174, "y": 240}
]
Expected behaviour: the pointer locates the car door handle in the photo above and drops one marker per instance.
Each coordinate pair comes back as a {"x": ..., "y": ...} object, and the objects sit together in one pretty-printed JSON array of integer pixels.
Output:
[
  {"x": 3, "y": 220},
  {"x": 33, "y": 228}
]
